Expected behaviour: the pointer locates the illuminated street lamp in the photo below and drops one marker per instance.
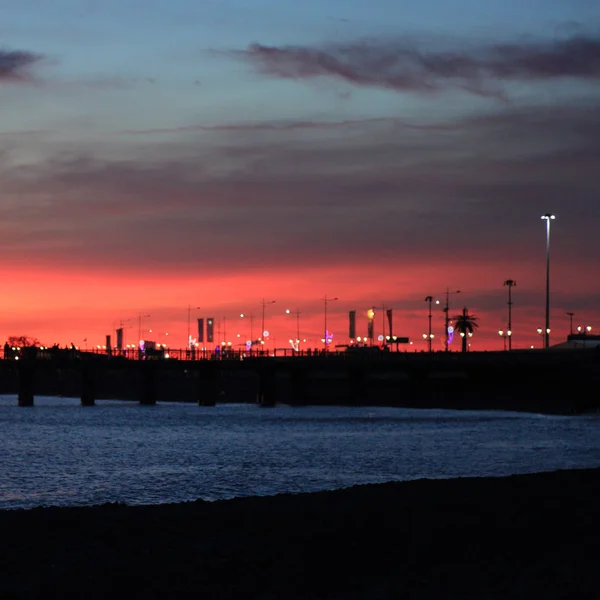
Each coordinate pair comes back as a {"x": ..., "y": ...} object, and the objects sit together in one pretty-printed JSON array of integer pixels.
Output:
[
  {"x": 584, "y": 330},
  {"x": 430, "y": 336},
  {"x": 510, "y": 283},
  {"x": 503, "y": 335},
  {"x": 296, "y": 346},
  {"x": 541, "y": 334},
  {"x": 251, "y": 317},
  {"x": 371, "y": 324},
  {"x": 189, "y": 331},
  {"x": 429, "y": 339},
  {"x": 326, "y": 301},
  {"x": 547, "y": 217},
  {"x": 264, "y": 303},
  {"x": 447, "y": 319}
]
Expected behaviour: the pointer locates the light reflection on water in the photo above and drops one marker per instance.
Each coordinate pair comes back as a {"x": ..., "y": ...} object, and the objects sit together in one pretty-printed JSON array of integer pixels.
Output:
[{"x": 60, "y": 453}]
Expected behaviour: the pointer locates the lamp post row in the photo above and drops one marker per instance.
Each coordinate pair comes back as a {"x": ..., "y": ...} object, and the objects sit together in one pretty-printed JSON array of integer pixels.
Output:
[{"x": 510, "y": 283}]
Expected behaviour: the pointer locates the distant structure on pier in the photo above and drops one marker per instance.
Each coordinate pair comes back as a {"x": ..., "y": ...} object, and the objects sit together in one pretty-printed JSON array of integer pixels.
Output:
[{"x": 579, "y": 340}]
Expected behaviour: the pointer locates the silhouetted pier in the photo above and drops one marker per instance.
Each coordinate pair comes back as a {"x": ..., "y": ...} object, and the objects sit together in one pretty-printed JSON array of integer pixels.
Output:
[{"x": 539, "y": 381}]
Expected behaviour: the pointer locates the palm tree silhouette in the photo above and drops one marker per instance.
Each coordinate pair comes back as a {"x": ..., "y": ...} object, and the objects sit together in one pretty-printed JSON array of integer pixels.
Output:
[{"x": 465, "y": 325}]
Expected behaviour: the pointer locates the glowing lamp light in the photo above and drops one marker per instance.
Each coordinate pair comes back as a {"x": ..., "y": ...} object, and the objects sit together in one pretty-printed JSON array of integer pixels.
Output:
[
  {"x": 380, "y": 338},
  {"x": 371, "y": 313}
]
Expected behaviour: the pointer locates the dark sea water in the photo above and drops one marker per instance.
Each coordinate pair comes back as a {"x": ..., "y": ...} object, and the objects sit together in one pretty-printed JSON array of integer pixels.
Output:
[{"x": 60, "y": 453}]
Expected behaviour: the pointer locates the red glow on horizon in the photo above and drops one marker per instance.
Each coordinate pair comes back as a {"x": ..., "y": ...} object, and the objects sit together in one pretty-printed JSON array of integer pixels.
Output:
[{"x": 64, "y": 308}]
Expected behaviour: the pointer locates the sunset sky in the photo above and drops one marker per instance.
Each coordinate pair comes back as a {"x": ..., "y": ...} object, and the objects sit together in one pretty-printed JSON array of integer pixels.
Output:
[{"x": 156, "y": 155}]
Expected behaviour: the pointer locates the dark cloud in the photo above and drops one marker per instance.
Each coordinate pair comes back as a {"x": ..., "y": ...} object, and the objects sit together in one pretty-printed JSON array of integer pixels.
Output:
[
  {"x": 14, "y": 64},
  {"x": 472, "y": 194},
  {"x": 400, "y": 66}
]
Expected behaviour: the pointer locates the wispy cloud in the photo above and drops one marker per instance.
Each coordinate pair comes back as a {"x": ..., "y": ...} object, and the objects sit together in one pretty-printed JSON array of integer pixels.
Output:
[
  {"x": 15, "y": 64},
  {"x": 17, "y": 133},
  {"x": 400, "y": 66},
  {"x": 285, "y": 126}
]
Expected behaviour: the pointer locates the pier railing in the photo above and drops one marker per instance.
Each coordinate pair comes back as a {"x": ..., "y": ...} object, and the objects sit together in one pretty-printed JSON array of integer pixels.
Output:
[{"x": 192, "y": 354}]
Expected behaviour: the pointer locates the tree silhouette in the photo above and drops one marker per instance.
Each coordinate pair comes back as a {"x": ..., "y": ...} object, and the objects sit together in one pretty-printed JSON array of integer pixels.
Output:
[
  {"x": 465, "y": 325},
  {"x": 22, "y": 341}
]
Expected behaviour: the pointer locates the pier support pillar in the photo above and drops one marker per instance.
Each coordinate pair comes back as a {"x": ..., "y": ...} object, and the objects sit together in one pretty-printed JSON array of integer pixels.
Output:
[
  {"x": 266, "y": 386},
  {"x": 26, "y": 371},
  {"x": 207, "y": 389},
  {"x": 148, "y": 382},
  {"x": 356, "y": 383},
  {"x": 88, "y": 385},
  {"x": 298, "y": 393}
]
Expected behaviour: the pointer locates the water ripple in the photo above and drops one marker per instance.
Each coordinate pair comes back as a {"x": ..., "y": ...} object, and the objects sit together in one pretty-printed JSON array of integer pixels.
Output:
[{"x": 59, "y": 453}]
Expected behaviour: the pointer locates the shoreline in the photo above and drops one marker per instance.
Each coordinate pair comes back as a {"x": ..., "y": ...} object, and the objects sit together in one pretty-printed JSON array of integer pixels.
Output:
[{"x": 518, "y": 536}]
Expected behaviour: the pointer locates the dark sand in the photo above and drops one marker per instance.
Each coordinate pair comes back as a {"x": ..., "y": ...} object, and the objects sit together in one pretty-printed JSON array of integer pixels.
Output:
[{"x": 533, "y": 536}]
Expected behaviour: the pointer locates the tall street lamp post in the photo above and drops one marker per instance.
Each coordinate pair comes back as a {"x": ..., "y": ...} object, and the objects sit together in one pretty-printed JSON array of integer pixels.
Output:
[
  {"x": 264, "y": 303},
  {"x": 140, "y": 317},
  {"x": 326, "y": 301},
  {"x": 510, "y": 283},
  {"x": 547, "y": 217},
  {"x": 189, "y": 333},
  {"x": 540, "y": 332},
  {"x": 429, "y": 300},
  {"x": 571, "y": 315},
  {"x": 297, "y": 313},
  {"x": 447, "y": 319},
  {"x": 251, "y": 317}
]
